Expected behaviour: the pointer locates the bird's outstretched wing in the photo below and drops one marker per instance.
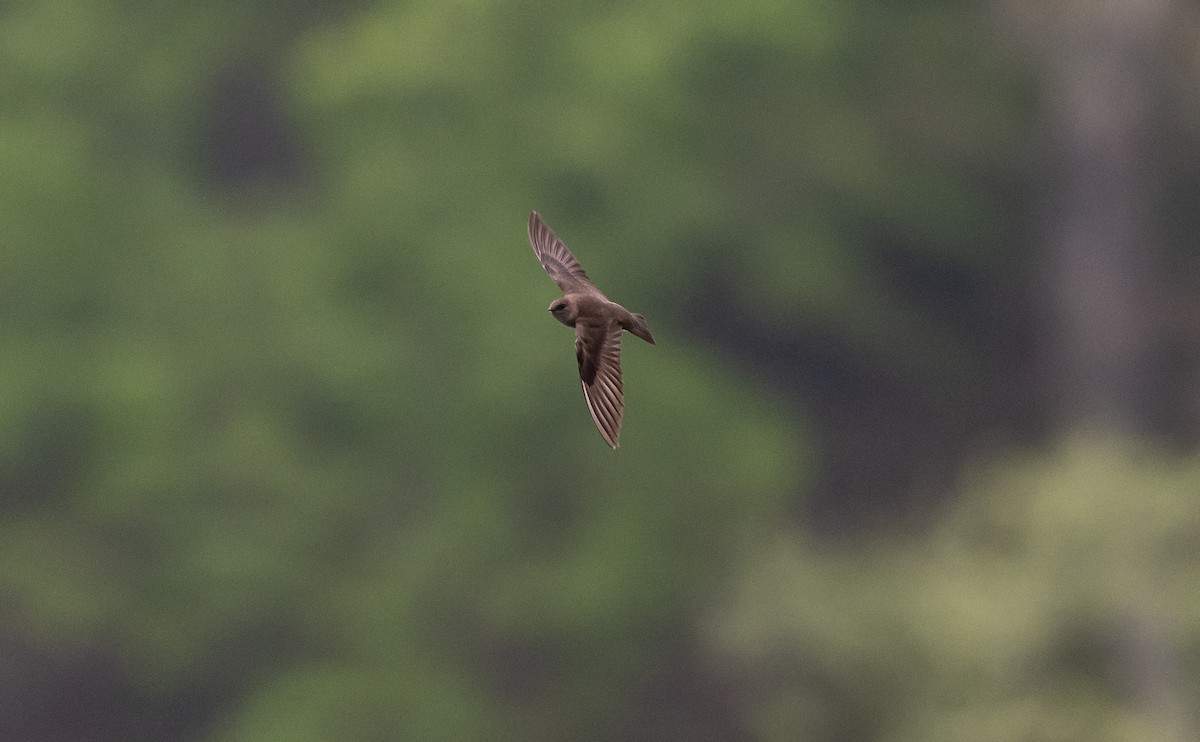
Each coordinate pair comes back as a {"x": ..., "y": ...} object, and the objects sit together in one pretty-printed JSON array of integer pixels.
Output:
[
  {"x": 598, "y": 350},
  {"x": 558, "y": 261}
]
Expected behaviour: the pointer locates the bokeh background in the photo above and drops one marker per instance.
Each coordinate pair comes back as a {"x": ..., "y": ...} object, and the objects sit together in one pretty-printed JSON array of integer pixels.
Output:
[{"x": 290, "y": 449}]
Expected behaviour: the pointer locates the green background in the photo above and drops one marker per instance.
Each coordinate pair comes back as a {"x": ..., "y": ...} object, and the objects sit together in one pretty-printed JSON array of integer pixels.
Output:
[{"x": 290, "y": 449}]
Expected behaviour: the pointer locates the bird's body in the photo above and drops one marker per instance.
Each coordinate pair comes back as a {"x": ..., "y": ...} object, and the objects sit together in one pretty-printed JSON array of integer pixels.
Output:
[{"x": 598, "y": 324}]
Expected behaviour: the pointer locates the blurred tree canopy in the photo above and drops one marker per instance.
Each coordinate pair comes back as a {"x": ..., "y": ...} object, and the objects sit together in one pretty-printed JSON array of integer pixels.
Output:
[
  {"x": 1050, "y": 604},
  {"x": 290, "y": 450}
]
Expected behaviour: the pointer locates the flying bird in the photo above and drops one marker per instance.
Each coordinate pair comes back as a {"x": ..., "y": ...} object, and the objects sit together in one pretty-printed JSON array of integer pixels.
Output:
[{"x": 598, "y": 323}]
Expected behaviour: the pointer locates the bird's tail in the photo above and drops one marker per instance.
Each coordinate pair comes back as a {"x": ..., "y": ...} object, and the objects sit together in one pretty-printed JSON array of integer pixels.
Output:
[{"x": 641, "y": 329}]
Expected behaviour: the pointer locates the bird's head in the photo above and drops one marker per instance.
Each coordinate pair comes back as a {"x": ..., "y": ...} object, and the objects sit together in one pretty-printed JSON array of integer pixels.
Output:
[{"x": 565, "y": 311}]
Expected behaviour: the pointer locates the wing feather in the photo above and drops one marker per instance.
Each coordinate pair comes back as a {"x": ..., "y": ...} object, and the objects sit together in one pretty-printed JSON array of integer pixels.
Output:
[
  {"x": 556, "y": 259},
  {"x": 599, "y": 353}
]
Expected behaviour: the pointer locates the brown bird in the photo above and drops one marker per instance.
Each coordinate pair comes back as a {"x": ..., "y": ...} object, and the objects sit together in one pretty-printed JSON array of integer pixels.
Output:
[{"x": 598, "y": 323}]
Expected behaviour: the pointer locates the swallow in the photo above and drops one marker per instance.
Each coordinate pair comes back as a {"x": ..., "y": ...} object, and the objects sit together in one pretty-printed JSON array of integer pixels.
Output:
[{"x": 598, "y": 324}]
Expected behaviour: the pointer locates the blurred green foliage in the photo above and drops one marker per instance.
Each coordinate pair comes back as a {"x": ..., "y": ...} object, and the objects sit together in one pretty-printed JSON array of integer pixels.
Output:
[
  {"x": 289, "y": 449},
  {"x": 1050, "y": 603}
]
